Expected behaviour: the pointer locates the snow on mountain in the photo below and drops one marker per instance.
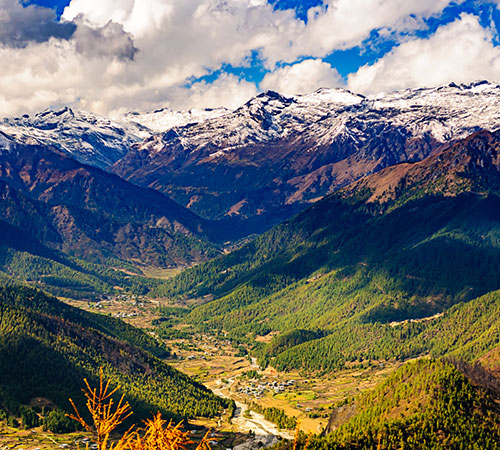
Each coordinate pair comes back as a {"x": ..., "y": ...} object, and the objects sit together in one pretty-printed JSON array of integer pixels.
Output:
[
  {"x": 92, "y": 139},
  {"x": 163, "y": 119},
  {"x": 315, "y": 120},
  {"x": 89, "y": 138},
  {"x": 6, "y": 142},
  {"x": 446, "y": 112},
  {"x": 266, "y": 117},
  {"x": 443, "y": 113},
  {"x": 276, "y": 152}
]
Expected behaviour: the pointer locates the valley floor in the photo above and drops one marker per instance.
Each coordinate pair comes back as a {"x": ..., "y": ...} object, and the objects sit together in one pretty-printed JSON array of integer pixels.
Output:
[
  {"x": 216, "y": 363},
  {"x": 228, "y": 371},
  {"x": 36, "y": 438},
  {"x": 309, "y": 399}
]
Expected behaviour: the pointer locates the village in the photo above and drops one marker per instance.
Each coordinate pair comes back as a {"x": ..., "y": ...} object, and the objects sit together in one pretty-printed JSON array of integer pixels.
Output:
[
  {"x": 137, "y": 310},
  {"x": 258, "y": 390},
  {"x": 226, "y": 367},
  {"x": 128, "y": 303}
]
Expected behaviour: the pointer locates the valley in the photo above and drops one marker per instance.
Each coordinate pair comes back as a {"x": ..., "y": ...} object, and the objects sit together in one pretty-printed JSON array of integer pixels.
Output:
[
  {"x": 319, "y": 269},
  {"x": 229, "y": 371}
]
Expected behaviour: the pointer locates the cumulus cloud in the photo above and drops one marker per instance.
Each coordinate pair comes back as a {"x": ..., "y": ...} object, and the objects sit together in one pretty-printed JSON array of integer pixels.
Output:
[
  {"x": 140, "y": 54},
  {"x": 227, "y": 90},
  {"x": 302, "y": 78},
  {"x": 21, "y": 25},
  {"x": 460, "y": 51},
  {"x": 342, "y": 24}
]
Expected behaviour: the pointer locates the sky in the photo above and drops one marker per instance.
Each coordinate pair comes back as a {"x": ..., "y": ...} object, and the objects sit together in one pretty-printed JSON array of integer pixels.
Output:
[{"x": 114, "y": 56}]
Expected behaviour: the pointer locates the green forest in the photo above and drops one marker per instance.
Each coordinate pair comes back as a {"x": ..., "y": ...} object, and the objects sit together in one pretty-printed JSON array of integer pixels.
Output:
[
  {"x": 47, "y": 348},
  {"x": 428, "y": 404},
  {"x": 347, "y": 267}
]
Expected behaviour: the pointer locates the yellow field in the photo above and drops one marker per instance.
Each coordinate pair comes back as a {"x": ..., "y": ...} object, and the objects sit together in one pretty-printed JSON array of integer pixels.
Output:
[
  {"x": 214, "y": 363},
  {"x": 162, "y": 274},
  {"x": 11, "y": 438}
]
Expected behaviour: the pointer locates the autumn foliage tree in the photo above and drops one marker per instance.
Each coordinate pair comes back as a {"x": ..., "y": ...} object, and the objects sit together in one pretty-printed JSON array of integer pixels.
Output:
[{"x": 106, "y": 416}]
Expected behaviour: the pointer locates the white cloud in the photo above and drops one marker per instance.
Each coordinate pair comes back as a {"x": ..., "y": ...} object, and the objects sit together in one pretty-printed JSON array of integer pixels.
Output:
[
  {"x": 460, "y": 51},
  {"x": 227, "y": 90},
  {"x": 137, "y": 54},
  {"x": 171, "y": 42},
  {"x": 302, "y": 78},
  {"x": 342, "y": 24}
]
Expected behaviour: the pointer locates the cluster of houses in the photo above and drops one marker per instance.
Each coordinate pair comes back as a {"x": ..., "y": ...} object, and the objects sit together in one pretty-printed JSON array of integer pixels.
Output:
[
  {"x": 108, "y": 300},
  {"x": 124, "y": 314},
  {"x": 257, "y": 391},
  {"x": 192, "y": 357}
]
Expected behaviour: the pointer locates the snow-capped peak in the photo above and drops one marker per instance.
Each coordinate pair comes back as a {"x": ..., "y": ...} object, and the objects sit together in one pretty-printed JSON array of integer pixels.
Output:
[
  {"x": 446, "y": 112},
  {"x": 317, "y": 119},
  {"x": 332, "y": 96},
  {"x": 89, "y": 138},
  {"x": 163, "y": 119}
]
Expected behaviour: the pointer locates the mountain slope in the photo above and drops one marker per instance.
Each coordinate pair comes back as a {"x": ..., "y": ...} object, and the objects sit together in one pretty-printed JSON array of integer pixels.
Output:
[
  {"x": 269, "y": 158},
  {"x": 46, "y": 348},
  {"x": 89, "y": 213},
  {"x": 88, "y": 138},
  {"x": 466, "y": 331},
  {"x": 163, "y": 119},
  {"x": 405, "y": 243},
  {"x": 423, "y": 405},
  {"x": 24, "y": 258}
]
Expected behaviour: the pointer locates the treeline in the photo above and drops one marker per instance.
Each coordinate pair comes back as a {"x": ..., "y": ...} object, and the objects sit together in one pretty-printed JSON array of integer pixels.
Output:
[
  {"x": 170, "y": 316},
  {"x": 26, "y": 417}
]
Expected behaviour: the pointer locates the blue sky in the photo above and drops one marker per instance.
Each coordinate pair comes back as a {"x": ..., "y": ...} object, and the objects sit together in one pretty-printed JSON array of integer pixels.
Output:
[{"x": 107, "y": 55}]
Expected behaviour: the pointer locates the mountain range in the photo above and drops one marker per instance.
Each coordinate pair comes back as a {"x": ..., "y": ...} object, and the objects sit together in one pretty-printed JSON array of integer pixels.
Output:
[
  {"x": 63, "y": 215},
  {"x": 169, "y": 189},
  {"x": 275, "y": 155},
  {"x": 253, "y": 167}
]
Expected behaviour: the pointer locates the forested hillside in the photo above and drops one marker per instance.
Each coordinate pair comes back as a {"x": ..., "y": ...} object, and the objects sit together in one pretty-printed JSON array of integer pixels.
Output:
[
  {"x": 423, "y": 405},
  {"x": 47, "y": 348},
  {"x": 24, "y": 258},
  {"x": 467, "y": 331}
]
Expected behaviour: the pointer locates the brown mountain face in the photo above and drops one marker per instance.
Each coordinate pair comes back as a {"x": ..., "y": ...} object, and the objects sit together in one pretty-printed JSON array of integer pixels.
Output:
[
  {"x": 87, "y": 212},
  {"x": 266, "y": 183},
  {"x": 274, "y": 155},
  {"x": 472, "y": 165}
]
